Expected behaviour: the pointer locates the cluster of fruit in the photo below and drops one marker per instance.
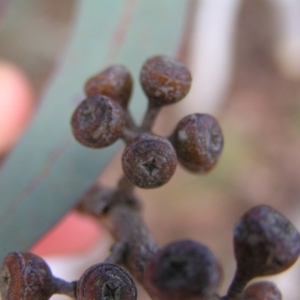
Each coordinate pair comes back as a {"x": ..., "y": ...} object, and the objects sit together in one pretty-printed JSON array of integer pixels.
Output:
[
  {"x": 148, "y": 160},
  {"x": 265, "y": 242}
]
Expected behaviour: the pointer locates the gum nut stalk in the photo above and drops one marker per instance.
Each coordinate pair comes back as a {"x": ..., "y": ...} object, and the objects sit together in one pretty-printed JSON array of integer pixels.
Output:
[
  {"x": 106, "y": 282},
  {"x": 165, "y": 80},
  {"x": 25, "y": 276},
  {"x": 97, "y": 122},
  {"x": 183, "y": 270},
  {"x": 265, "y": 243},
  {"x": 114, "y": 82}
]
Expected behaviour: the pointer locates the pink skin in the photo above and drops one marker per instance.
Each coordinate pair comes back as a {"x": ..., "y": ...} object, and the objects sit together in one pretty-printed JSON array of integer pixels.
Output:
[
  {"x": 16, "y": 108},
  {"x": 75, "y": 233},
  {"x": 16, "y": 105}
]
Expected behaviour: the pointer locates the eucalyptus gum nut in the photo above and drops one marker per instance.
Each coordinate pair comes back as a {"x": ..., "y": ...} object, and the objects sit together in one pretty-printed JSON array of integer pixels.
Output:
[
  {"x": 262, "y": 290},
  {"x": 25, "y": 276},
  {"x": 265, "y": 243},
  {"x": 114, "y": 82},
  {"x": 106, "y": 282},
  {"x": 198, "y": 141},
  {"x": 149, "y": 161},
  {"x": 165, "y": 80},
  {"x": 98, "y": 121},
  {"x": 183, "y": 270}
]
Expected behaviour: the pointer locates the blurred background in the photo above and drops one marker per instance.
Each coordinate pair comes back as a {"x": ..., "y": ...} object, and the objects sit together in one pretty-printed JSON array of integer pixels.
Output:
[{"x": 245, "y": 61}]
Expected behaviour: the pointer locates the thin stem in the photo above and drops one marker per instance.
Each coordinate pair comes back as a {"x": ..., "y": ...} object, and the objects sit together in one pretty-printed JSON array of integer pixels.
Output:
[
  {"x": 171, "y": 138},
  {"x": 66, "y": 288},
  {"x": 134, "y": 244},
  {"x": 126, "y": 224},
  {"x": 130, "y": 130},
  {"x": 150, "y": 116},
  {"x": 125, "y": 186},
  {"x": 128, "y": 135},
  {"x": 96, "y": 200},
  {"x": 116, "y": 255},
  {"x": 236, "y": 287},
  {"x": 129, "y": 122}
]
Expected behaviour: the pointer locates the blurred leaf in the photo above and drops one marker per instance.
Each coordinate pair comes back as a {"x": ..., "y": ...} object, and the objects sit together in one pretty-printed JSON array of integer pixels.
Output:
[{"x": 48, "y": 171}]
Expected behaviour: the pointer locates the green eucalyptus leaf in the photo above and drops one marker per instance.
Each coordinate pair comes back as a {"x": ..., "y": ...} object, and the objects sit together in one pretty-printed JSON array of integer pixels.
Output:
[{"x": 48, "y": 170}]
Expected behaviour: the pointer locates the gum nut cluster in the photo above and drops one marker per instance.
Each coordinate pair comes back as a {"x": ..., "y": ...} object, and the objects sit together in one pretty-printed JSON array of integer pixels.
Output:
[
  {"x": 106, "y": 281},
  {"x": 25, "y": 276},
  {"x": 148, "y": 160},
  {"x": 183, "y": 270},
  {"x": 265, "y": 243}
]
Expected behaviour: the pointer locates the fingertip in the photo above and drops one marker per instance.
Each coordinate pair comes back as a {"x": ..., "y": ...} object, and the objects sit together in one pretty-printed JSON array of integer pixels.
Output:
[{"x": 16, "y": 104}]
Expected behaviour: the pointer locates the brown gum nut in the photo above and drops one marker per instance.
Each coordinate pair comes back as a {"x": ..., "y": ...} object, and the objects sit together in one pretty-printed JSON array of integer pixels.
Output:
[
  {"x": 149, "y": 161},
  {"x": 265, "y": 243},
  {"x": 165, "y": 80},
  {"x": 262, "y": 290},
  {"x": 183, "y": 270},
  {"x": 106, "y": 282},
  {"x": 25, "y": 276},
  {"x": 98, "y": 121},
  {"x": 198, "y": 141},
  {"x": 114, "y": 82}
]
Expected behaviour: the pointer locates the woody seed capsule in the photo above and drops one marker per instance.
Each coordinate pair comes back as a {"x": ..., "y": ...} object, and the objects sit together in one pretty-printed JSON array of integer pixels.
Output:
[
  {"x": 106, "y": 282},
  {"x": 265, "y": 243},
  {"x": 183, "y": 270},
  {"x": 25, "y": 276},
  {"x": 262, "y": 290},
  {"x": 114, "y": 82},
  {"x": 165, "y": 80},
  {"x": 98, "y": 121},
  {"x": 198, "y": 141},
  {"x": 149, "y": 161}
]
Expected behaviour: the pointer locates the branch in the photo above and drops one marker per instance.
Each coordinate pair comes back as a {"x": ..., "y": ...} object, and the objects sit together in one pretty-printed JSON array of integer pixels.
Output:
[{"x": 119, "y": 211}]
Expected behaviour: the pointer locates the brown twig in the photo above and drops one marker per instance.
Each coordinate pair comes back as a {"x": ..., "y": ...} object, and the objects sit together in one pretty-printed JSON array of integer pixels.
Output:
[
  {"x": 236, "y": 287},
  {"x": 150, "y": 116},
  {"x": 65, "y": 288},
  {"x": 134, "y": 244}
]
